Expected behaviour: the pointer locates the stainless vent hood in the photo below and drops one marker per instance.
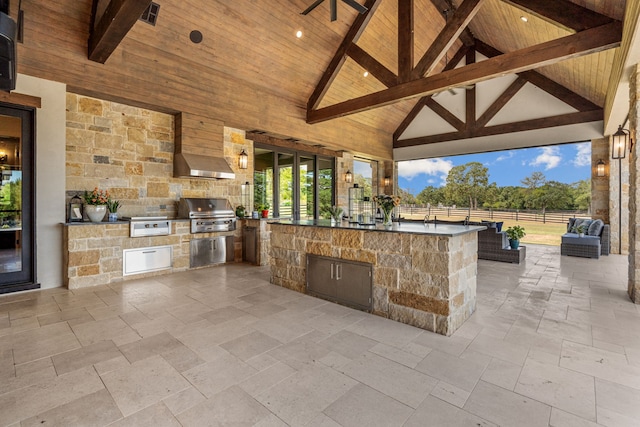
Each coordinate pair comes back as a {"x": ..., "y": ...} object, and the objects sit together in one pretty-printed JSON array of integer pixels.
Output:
[
  {"x": 199, "y": 166},
  {"x": 199, "y": 148}
]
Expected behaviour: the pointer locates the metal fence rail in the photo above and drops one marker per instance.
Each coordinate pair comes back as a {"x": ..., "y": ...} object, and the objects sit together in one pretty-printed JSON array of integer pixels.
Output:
[{"x": 419, "y": 212}]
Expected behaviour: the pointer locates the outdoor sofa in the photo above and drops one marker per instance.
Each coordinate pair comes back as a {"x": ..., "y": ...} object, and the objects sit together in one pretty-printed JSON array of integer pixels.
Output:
[
  {"x": 493, "y": 243},
  {"x": 595, "y": 242}
]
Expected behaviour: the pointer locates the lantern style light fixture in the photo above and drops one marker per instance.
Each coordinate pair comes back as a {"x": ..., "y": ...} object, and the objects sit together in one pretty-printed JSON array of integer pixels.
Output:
[
  {"x": 75, "y": 209},
  {"x": 600, "y": 168},
  {"x": 348, "y": 177},
  {"x": 243, "y": 160},
  {"x": 387, "y": 181},
  {"x": 619, "y": 143}
]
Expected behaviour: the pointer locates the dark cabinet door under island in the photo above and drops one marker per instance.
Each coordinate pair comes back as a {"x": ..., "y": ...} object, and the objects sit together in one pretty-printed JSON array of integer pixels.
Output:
[{"x": 345, "y": 282}]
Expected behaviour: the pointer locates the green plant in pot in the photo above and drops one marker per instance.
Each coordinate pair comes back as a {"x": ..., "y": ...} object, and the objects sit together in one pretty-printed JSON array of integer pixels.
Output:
[
  {"x": 581, "y": 229},
  {"x": 240, "y": 211},
  {"x": 336, "y": 213},
  {"x": 515, "y": 233},
  {"x": 264, "y": 208}
]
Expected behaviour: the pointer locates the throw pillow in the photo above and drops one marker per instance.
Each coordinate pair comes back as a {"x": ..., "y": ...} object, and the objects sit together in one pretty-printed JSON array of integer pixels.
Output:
[
  {"x": 499, "y": 226},
  {"x": 489, "y": 224},
  {"x": 571, "y": 223},
  {"x": 595, "y": 228},
  {"x": 585, "y": 222}
]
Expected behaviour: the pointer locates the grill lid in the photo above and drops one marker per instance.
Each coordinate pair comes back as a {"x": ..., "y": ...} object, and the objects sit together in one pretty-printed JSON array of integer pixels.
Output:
[{"x": 205, "y": 208}]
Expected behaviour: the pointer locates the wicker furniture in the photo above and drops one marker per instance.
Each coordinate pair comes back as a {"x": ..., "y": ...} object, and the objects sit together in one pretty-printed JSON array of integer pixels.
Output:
[
  {"x": 586, "y": 246},
  {"x": 493, "y": 245}
]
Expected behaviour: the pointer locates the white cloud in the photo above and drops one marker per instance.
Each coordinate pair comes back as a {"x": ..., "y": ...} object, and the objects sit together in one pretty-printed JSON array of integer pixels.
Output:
[
  {"x": 549, "y": 157},
  {"x": 506, "y": 156},
  {"x": 583, "y": 154},
  {"x": 434, "y": 167}
]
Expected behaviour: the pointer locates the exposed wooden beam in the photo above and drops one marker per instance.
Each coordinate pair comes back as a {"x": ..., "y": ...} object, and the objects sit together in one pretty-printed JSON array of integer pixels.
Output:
[
  {"x": 422, "y": 102},
  {"x": 508, "y": 128},
  {"x": 405, "y": 40},
  {"x": 117, "y": 19},
  {"x": 583, "y": 43},
  {"x": 470, "y": 95},
  {"x": 352, "y": 36},
  {"x": 499, "y": 103},
  {"x": 372, "y": 65},
  {"x": 553, "y": 88},
  {"x": 444, "y": 113},
  {"x": 466, "y": 37},
  {"x": 565, "y": 13},
  {"x": 20, "y": 99},
  {"x": 291, "y": 144},
  {"x": 410, "y": 117},
  {"x": 458, "y": 22}
]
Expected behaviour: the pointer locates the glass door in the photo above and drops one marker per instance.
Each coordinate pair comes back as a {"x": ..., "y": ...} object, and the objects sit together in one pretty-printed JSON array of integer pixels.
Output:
[
  {"x": 297, "y": 185},
  {"x": 306, "y": 172},
  {"x": 17, "y": 257}
]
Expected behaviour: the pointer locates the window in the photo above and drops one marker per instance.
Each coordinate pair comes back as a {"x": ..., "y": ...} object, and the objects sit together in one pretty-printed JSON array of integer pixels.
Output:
[{"x": 294, "y": 185}]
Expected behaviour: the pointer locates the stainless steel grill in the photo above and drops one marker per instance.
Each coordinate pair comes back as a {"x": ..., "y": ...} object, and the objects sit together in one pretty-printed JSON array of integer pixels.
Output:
[{"x": 207, "y": 215}]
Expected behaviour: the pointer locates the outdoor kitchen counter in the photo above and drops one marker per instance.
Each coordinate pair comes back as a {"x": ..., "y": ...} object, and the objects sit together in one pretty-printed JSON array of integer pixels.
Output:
[
  {"x": 93, "y": 252},
  {"x": 423, "y": 275}
]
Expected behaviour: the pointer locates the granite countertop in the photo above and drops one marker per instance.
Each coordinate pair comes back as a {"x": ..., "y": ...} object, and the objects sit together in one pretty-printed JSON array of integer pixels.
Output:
[{"x": 416, "y": 227}]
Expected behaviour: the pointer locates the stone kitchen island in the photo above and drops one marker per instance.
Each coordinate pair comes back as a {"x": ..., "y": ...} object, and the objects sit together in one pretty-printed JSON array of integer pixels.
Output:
[{"x": 422, "y": 275}]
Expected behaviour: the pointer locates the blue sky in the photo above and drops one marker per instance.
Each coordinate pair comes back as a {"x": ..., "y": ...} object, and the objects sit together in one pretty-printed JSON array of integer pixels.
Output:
[{"x": 566, "y": 163}]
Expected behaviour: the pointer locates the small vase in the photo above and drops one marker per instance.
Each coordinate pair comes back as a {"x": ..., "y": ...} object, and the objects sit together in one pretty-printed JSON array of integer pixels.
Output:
[
  {"x": 113, "y": 217},
  {"x": 386, "y": 221},
  {"x": 514, "y": 243},
  {"x": 96, "y": 212}
]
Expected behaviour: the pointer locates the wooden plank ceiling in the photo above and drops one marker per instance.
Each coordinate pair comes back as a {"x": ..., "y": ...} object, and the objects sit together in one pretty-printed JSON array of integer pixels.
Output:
[{"x": 251, "y": 71}]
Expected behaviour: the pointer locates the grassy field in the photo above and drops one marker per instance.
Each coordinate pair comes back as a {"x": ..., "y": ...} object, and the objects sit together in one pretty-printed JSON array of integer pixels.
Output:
[{"x": 537, "y": 232}]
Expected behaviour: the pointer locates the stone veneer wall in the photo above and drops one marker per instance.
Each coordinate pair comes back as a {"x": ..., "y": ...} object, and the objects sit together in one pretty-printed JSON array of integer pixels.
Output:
[
  {"x": 93, "y": 252},
  {"x": 129, "y": 151},
  {"x": 634, "y": 190},
  {"x": 600, "y": 184},
  {"x": 422, "y": 280}
]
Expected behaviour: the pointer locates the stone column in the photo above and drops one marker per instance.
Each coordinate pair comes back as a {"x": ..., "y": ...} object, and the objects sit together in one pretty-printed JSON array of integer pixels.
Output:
[
  {"x": 619, "y": 180},
  {"x": 343, "y": 164},
  {"x": 634, "y": 189},
  {"x": 600, "y": 184}
]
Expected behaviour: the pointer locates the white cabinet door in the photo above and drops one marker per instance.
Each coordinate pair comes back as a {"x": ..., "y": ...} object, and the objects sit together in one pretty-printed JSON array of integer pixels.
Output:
[{"x": 144, "y": 260}]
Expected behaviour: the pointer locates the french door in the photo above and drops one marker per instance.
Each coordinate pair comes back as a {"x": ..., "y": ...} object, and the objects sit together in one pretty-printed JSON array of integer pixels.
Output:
[
  {"x": 296, "y": 185},
  {"x": 17, "y": 199}
]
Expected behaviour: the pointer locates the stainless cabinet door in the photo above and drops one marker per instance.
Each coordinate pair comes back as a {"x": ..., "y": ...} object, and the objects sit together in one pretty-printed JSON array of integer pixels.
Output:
[
  {"x": 354, "y": 284},
  {"x": 321, "y": 273}
]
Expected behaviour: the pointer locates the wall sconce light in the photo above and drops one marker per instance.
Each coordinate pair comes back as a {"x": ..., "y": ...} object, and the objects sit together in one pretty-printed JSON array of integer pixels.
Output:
[
  {"x": 243, "y": 160},
  {"x": 387, "y": 181},
  {"x": 348, "y": 177},
  {"x": 600, "y": 168},
  {"x": 620, "y": 140}
]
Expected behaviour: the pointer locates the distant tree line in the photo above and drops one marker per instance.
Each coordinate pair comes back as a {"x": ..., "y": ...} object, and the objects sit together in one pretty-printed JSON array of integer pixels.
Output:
[{"x": 468, "y": 186}]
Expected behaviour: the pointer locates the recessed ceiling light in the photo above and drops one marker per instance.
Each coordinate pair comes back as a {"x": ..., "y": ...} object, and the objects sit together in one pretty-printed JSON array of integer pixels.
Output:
[
  {"x": 299, "y": 34},
  {"x": 524, "y": 19},
  {"x": 366, "y": 73}
]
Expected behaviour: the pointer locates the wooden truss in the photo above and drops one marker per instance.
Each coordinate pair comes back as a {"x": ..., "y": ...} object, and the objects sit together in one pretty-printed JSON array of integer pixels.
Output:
[{"x": 592, "y": 33}]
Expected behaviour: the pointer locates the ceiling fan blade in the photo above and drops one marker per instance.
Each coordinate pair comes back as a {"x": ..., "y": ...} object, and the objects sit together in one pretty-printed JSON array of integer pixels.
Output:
[
  {"x": 310, "y": 8},
  {"x": 334, "y": 10},
  {"x": 357, "y": 6}
]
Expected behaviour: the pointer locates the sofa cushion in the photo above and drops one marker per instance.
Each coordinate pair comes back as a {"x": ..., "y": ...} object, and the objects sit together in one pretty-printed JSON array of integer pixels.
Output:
[
  {"x": 595, "y": 228},
  {"x": 575, "y": 239},
  {"x": 570, "y": 224},
  {"x": 489, "y": 224},
  {"x": 586, "y": 222},
  {"x": 499, "y": 226}
]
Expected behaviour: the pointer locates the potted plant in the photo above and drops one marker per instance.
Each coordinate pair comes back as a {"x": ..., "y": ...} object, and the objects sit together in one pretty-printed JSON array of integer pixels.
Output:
[
  {"x": 581, "y": 229},
  {"x": 515, "y": 233},
  {"x": 264, "y": 208},
  {"x": 240, "y": 211},
  {"x": 96, "y": 204},
  {"x": 113, "y": 206},
  {"x": 336, "y": 214}
]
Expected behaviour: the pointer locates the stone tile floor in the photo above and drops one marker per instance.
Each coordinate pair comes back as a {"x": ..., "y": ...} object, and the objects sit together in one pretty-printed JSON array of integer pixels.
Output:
[{"x": 554, "y": 341}]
